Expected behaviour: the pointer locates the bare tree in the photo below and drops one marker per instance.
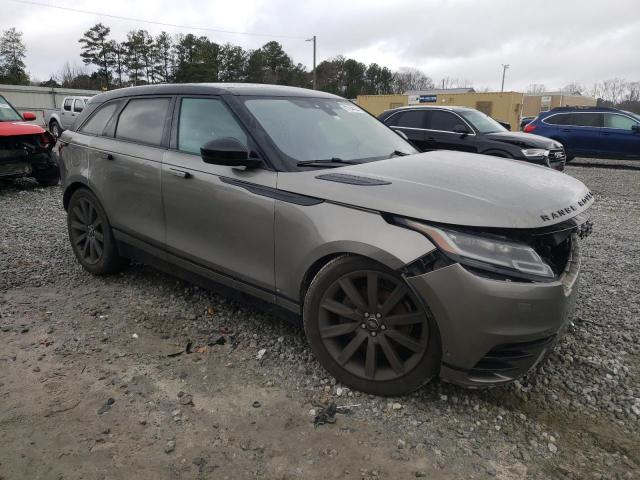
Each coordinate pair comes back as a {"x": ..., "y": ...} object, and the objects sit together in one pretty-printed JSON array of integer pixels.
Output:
[
  {"x": 537, "y": 88},
  {"x": 411, "y": 79},
  {"x": 573, "y": 87},
  {"x": 449, "y": 82}
]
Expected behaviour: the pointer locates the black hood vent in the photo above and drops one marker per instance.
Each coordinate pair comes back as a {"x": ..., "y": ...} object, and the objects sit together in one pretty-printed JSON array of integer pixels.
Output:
[{"x": 352, "y": 179}]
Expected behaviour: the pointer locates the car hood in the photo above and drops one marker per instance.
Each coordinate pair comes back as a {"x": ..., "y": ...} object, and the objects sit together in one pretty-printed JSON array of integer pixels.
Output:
[
  {"x": 11, "y": 129},
  {"x": 524, "y": 140},
  {"x": 450, "y": 187}
]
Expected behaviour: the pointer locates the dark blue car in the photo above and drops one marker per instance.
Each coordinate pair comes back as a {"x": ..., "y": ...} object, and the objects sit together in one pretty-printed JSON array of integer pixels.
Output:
[{"x": 591, "y": 132}]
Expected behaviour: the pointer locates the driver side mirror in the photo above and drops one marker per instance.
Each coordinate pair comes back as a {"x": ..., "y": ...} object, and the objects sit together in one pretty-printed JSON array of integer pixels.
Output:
[
  {"x": 635, "y": 128},
  {"x": 29, "y": 116},
  {"x": 462, "y": 129},
  {"x": 228, "y": 151}
]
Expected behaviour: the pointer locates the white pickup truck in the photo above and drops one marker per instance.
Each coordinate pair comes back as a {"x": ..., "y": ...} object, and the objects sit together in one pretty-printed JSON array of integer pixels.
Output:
[{"x": 59, "y": 120}]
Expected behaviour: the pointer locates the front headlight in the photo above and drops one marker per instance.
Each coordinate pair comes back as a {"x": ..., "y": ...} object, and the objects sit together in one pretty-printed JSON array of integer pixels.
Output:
[
  {"x": 494, "y": 254},
  {"x": 535, "y": 152}
]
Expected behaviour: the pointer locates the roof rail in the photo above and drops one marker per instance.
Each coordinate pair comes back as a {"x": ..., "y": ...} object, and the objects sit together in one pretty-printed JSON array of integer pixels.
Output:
[{"x": 584, "y": 107}]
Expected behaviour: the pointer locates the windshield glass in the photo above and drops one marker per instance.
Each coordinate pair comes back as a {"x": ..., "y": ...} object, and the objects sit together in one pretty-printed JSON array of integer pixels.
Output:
[
  {"x": 7, "y": 113},
  {"x": 634, "y": 115},
  {"x": 306, "y": 129},
  {"x": 483, "y": 123}
]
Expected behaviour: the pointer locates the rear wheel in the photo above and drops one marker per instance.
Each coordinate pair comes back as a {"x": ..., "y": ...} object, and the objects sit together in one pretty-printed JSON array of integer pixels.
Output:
[
  {"x": 90, "y": 234},
  {"x": 368, "y": 329}
]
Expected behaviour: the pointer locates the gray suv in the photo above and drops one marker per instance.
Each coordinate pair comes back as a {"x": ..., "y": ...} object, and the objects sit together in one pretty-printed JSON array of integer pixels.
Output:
[{"x": 401, "y": 265}]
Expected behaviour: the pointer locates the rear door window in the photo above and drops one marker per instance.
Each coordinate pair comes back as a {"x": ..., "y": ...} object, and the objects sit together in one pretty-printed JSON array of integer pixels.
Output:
[
  {"x": 559, "y": 119},
  {"x": 612, "y": 120},
  {"x": 98, "y": 121},
  {"x": 444, "y": 121},
  {"x": 142, "y": 120},
  {"x": 587, "y": 119},
  {"x": 203, "y": 120},
  {"x": 409, "y": 119},
  {"x": 67, "y": 104}
]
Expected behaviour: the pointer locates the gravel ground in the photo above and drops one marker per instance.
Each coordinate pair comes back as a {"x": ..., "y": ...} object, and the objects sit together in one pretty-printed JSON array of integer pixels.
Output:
[{"x": 96, "y": 381}]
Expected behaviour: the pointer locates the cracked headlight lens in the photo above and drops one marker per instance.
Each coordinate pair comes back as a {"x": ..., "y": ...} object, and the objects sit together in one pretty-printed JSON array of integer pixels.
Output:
[{"x": 499, "y": 255}]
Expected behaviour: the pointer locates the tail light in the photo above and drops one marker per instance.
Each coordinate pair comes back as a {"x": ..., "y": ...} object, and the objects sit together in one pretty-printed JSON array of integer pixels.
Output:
[{"x": 529, "y": 128}]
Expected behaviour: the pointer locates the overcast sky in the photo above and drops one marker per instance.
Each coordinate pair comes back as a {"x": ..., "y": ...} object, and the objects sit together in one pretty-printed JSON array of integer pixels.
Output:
[{"x": 550, "y": 42}]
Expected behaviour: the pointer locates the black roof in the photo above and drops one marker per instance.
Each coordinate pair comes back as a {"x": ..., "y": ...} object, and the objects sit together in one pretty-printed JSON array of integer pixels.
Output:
[{"x": 250, "y": 89}]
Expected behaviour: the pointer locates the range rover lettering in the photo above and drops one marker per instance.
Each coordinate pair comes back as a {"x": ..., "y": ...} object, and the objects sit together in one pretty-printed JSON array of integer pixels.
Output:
[{"x": 401, "y": 265}]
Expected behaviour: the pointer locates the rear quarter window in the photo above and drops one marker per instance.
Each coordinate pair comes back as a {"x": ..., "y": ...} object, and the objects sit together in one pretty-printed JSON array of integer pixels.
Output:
[{"x": 98, "y": 121}]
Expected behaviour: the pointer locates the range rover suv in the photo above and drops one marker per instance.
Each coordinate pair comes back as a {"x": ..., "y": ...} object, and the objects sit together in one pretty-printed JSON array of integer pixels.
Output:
[
  {"x": 469, "y": 130},
  {"x": 401, "y": 265}
]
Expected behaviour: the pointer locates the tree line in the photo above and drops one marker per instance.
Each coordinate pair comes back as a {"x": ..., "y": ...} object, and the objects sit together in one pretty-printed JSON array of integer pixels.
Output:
[{"x": 141, "y": 59}]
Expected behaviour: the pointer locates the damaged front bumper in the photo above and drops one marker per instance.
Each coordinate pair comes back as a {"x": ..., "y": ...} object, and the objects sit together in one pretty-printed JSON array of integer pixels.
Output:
[{"x": 494, "y": 330}]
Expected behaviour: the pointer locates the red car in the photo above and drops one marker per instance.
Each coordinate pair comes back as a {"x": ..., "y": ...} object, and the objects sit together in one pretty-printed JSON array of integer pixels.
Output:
[{"x": 26, "y": 150}]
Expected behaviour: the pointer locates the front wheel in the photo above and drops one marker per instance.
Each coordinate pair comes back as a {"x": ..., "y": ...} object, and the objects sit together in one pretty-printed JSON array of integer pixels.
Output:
[
  {"x": 90, "y": 234},
  {"x": 368, "y": 329},
  {"x": 55, "y": 129}
]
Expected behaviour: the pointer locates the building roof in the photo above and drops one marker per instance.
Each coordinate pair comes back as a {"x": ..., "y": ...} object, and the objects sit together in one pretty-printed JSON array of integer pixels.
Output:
[
  {"x": 440, "y": 91},
  {"x": 250, "y": 89},
  {"x": 551, "y": 94}
]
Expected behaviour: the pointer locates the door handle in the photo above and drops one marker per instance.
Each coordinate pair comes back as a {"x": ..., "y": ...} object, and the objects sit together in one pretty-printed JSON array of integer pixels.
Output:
[
  {"x": 566, "y": 130},
  {"x": 106, "y": 156},
  {"x": 179, "y": 173}
]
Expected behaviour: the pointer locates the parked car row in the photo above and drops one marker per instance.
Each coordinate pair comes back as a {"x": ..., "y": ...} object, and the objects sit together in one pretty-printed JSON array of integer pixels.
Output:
[
  {"x": 401, "y": 265},
  {"x": 469, "y": 130}
]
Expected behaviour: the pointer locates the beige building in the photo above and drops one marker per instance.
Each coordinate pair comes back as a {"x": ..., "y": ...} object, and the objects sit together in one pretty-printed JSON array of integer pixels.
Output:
[
  {"x": 534, "y": 103},
  {"x": 502, "y": 106}
]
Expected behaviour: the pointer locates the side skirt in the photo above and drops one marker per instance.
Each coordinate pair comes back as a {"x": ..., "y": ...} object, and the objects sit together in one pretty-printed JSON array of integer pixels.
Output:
[{"x": 139, "y": 250}]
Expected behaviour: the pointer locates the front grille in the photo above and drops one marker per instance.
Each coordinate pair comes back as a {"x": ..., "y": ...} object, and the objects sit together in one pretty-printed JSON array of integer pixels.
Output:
[
  {"x": 557, "y": 155},
  {"x": 506, "y": 361}
]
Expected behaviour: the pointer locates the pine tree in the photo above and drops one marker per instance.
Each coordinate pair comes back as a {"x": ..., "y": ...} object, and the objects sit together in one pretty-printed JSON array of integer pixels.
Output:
[{"x": 96, "y": 50}]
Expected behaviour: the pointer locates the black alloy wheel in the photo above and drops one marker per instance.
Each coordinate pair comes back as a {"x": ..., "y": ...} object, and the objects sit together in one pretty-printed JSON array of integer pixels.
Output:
[
  {"x": 370, "y": 330},
  {"x": 87, "y": 231},
  {"x": 90, "y": 234}
]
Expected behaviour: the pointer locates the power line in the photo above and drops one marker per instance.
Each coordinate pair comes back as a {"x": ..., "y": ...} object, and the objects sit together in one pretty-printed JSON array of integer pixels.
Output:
[{"x": 140, "y": 20}]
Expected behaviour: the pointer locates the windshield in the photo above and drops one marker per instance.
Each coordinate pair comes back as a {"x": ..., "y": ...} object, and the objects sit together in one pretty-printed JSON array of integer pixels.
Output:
[
  {"x": 306, "y": 129},
  {"x": 483, "y": 123},
  {"x": 7, "y": 113},
  {"x": 633, "y": 115}
]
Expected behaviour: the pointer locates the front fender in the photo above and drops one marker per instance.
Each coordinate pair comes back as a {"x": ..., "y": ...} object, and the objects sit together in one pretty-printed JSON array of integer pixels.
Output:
[{"x": 306, "y": 234}]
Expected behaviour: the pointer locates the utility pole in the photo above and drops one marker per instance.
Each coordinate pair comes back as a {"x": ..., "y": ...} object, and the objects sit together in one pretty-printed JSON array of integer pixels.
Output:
[
  {"x": 505, "y": 66},
  {"x": 315, "y": 81}
]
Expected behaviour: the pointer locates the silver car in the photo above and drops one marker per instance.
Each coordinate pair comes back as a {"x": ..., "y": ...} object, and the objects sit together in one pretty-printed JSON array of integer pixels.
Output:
[{"x": 401, "y": 265}]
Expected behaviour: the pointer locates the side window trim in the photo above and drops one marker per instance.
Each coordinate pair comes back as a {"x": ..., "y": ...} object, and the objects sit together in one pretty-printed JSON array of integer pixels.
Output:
[
  {"x": 164, "y": 143},
  {"x": 544, "y": 120},
  {"x": 473, "y": 132}
]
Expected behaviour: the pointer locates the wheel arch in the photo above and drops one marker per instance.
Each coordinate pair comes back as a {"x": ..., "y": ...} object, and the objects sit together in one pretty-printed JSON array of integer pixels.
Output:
[{"x": 71, "y": 189}]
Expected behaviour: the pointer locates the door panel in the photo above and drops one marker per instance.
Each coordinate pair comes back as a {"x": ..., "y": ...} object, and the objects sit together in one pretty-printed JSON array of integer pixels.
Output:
[
  {"x": 219, "y": 224},
  {"x": 440, "y": 134},
  {"x": 127, "y": 177},
  {"x": 411, "y": 123}
]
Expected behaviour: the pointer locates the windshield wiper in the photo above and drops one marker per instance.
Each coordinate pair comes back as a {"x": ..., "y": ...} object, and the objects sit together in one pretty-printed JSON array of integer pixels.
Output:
[
  {"x": 334, "y": 161},
  {"x": 398, "y": 153}
]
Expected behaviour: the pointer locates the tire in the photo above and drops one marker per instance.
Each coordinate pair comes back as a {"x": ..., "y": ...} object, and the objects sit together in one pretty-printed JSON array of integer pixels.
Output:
[
  {"x": 393, "y": 350},
  {"x": 46, "y": 170},
  {"x": 55, "y": 129},
  {"x": 90, "y": 234}
]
